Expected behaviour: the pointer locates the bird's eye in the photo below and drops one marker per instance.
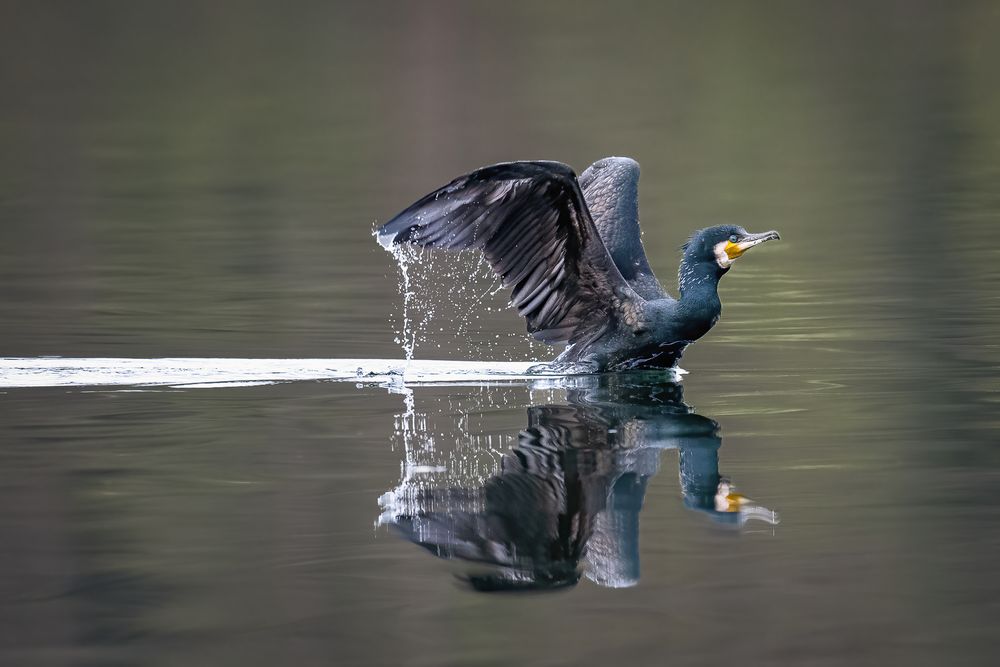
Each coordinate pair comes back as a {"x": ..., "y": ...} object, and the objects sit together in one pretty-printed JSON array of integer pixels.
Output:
[{"x": 733, "y": 238}]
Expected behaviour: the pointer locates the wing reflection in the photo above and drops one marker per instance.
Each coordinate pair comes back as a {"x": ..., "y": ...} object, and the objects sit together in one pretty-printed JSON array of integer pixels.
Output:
[{"x": 564, "y": 501}]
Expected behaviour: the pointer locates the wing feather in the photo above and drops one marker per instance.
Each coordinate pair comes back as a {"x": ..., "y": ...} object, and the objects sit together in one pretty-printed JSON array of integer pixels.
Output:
[
  {"x": 532, "y": 223},
  {"x": 611, "y": 189}
]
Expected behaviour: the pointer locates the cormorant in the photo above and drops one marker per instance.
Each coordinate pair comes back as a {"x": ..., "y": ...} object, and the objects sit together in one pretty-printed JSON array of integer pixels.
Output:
[{"x": 570, "y": 250}]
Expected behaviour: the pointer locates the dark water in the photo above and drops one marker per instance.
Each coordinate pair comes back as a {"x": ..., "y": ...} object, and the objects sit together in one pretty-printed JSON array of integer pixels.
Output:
[{"x": 202, "y": 181}]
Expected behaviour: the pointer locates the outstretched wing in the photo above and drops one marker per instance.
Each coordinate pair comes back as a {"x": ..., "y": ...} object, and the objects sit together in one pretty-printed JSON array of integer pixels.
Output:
[
  {"x": 611, "y": 189},
  {"x": 532, "y": 224}
]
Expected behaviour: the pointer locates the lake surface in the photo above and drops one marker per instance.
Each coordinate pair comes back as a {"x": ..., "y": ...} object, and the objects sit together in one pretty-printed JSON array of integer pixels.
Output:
[{"x": 212, "y": 450}]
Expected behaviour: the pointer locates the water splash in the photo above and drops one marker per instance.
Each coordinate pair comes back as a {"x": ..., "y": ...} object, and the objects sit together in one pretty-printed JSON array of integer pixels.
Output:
[
  {"x": 454, "y": 303},
  {"x": 406, "y": 334},
  {"x": 440, "y": 473}
]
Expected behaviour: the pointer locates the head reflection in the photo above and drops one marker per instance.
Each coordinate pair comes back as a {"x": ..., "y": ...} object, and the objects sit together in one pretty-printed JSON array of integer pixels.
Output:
[{"x": 564, "y": 500}]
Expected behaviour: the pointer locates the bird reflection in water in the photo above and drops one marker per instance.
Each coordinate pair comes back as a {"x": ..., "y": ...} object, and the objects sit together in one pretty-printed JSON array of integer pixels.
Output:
[{"x": 564, "y": 501}]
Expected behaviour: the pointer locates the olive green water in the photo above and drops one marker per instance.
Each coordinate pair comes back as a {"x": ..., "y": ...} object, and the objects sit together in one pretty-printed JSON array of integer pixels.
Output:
[{"x": 202, "y": 181}]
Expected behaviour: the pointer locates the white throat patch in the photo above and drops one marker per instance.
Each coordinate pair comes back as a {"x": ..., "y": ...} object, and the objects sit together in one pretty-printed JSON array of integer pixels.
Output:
[{"x": 721, "y": 257}]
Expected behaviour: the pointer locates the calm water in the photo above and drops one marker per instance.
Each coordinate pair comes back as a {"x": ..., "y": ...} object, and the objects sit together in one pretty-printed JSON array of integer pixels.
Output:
[{"x": 202, "y": 182}]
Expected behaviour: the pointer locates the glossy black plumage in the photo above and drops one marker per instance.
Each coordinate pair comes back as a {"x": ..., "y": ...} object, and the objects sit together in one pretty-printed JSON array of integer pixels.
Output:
[
  {"x": 571, "y": 253},
  {"x": 532, "y": 223}
]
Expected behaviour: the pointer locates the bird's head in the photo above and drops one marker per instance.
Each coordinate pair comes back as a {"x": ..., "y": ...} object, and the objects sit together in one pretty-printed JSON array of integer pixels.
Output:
[{"x": 723, "y": 244}]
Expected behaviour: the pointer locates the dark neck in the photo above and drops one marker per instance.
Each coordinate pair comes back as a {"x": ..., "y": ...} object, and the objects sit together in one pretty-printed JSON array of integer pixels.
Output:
[
  {"x": 697, "y": 279},
  {"x": 698, "y": 283}
]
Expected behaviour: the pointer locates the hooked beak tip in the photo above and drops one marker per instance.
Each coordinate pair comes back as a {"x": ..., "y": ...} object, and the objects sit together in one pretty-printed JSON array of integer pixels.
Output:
[{"x": 752, "y": 240}]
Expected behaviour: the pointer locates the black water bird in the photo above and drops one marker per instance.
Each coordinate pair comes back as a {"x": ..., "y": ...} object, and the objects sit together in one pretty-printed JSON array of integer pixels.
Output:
[{"x": 571, "y": 252}]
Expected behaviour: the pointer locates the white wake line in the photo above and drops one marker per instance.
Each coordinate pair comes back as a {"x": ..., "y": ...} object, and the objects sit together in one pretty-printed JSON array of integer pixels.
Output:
[{"x": 208, "y": 372}]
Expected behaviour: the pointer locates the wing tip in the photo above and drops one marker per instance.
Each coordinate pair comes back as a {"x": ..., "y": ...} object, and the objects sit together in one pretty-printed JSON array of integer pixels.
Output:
[
  {"x": 387, "y": 241},
  {"x": 395, "y": 232},
  {"x": 386, "y": 235}
]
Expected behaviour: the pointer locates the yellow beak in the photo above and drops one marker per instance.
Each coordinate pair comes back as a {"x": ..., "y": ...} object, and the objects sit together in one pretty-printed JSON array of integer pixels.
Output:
[{"x": 734, "y": 250}]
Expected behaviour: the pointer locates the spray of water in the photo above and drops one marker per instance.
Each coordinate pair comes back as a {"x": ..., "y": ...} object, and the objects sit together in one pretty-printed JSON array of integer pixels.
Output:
[{"x": 455, "y": 305}]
